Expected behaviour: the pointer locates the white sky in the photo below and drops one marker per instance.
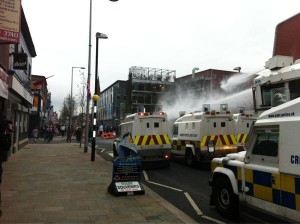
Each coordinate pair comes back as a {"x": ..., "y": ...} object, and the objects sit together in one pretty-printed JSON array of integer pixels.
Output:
[{"x": 169, "y": 34}]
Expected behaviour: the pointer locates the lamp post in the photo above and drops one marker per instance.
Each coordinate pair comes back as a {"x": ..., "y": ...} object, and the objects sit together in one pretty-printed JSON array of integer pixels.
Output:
[
  {"x": 88, "y": 80},
  {"x": 237, "y": 69},
  {"x": 96, "y": 97},
  {"x": 71, "y": 112}
]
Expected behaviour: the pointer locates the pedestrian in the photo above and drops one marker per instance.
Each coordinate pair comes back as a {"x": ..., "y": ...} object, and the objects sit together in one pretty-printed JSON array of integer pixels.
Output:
[
  {"x": 90, "y": 134},
  {"x": 78, "y": 134},
  {"x": 69, "y": 134},
  {"x": 5, "y": 143},
  {"x": 100, "y": 130},
  {"x": 63, "y": 130},
  {"x": 35, "y": 134}
]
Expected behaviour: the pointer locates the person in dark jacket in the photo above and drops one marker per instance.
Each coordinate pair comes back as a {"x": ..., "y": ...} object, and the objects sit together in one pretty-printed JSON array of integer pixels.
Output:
[{"x": 5, "y": 141}]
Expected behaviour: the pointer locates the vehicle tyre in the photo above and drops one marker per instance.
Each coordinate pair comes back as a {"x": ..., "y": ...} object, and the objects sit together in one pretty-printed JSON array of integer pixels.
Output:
[
  {"x": 189, "y": 158},
  {"x": 226, "y": 201}
]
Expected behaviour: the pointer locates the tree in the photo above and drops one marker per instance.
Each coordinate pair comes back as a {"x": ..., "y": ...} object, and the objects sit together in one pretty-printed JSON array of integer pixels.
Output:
[
  {"x": 81, "y": 98},
  {"x": 65, "y": 109}
]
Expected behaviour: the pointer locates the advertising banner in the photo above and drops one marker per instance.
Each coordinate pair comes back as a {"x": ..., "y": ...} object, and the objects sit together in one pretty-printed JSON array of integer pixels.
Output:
[{"x": 10, "y": 13}]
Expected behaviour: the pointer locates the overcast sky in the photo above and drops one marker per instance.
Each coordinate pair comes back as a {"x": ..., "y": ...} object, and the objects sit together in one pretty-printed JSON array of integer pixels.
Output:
[{"x": 169, "y": 34}]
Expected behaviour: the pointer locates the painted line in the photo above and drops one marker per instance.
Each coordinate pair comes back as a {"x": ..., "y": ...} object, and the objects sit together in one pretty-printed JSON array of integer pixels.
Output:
[
  {"x": 110, "y": 154},
  {"x": 145, "y": 175},
  {"x": 199, "y": 212},
  {"x": 162, "y": 185},
  {"x": 212, "y": 219},
  {"x": 196, "y": 208}
]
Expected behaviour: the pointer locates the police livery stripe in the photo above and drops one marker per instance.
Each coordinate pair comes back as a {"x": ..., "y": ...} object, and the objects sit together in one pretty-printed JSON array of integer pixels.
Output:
[
  {"x": 151, "y": 140},
  {"x": 280, "y": 189},
  {"x": 241, "y": 138}
]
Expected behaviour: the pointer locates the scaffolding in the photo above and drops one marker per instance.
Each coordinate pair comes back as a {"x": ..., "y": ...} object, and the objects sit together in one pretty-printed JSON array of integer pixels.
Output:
[{"x": 152, "y": 74}]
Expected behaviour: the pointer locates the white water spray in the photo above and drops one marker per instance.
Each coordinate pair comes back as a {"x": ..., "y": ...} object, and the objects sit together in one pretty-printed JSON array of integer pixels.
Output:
[{"x": 187, "y": 101}]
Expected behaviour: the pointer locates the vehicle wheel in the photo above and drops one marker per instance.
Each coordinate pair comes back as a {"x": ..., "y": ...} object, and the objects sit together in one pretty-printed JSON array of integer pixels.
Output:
[
  {"x": 226, "y": 200},
  {"x": 189, "y": 158}
]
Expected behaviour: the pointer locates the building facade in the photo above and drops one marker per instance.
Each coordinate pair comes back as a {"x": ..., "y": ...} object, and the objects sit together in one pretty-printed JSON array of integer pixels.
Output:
[
  {"x": 39, "y": 109},
  {"x": 203, "y": 83},
  {"x": 111, "y": 105},
  {"x": 149, "y": 88},
  {"x": 287, "y": 37},
  {"x": 16, "y": 96}
]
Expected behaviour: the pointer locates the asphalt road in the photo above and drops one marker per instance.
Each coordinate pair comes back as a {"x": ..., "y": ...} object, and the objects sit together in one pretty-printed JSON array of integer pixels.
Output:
[{"x": 186, "y": 188}]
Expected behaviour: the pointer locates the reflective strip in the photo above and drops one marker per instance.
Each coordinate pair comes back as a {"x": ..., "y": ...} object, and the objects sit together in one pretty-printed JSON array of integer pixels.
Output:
[
  {"x": 224, "y": 140},
  {"x": 207, "y": 139},
  {"x": 227, "y": 139},
  {"x": 152, "y": 140},
  {"x": 241, "y": 138}
]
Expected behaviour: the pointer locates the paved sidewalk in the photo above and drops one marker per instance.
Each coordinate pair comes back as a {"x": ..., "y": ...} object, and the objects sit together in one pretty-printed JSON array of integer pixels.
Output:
[{"x": 57, "y": 183}]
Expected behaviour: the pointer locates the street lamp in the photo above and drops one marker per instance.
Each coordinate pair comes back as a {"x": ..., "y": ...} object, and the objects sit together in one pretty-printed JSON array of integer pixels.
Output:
[
  {"x": 71, "y": 112},
  {"x": 237, "y": 69},
  {"x": 96, "y": 97},
  {"x": 88, "y": 80}
]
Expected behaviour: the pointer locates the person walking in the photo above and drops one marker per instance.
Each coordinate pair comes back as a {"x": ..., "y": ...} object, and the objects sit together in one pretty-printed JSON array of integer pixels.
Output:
[
  {"x": 5, "y": 144},
  {"x": 35, "y": 134},
  {"x": 100, "y": 130},
  {"x": 69, "y": 134}
]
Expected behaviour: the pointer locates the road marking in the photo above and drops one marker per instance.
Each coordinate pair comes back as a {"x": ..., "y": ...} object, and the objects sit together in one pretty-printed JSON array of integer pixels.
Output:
[
  {"x": 196, "y": 208},
  {"x": 145, "y": 175},
  {"x": 162, "y": 185},
  {"x": 111, "y": 154},
  {"x": 212, "y": 219}
]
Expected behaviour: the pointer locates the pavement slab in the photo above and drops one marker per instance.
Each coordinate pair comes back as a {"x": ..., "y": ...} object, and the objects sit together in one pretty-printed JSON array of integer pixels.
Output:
[{"x": 57, "y": 182}]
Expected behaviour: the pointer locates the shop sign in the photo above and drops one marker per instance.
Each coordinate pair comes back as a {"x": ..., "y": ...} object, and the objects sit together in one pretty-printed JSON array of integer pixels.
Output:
[
  {"x": 10, "y": 21},
  {"x": 20, "y": 61}
]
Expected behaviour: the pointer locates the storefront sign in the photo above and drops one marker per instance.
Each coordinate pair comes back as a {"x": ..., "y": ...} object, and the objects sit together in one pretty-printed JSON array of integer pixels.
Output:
[
  {"x": 126, "y": 177},
  {"x": 10, "y": 13},
  {"x": 127, "y": 169},
  {"x": 20, "y": 61}
]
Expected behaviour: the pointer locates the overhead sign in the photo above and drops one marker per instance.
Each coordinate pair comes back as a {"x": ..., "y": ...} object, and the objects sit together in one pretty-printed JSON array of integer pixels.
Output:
[
  {"x": 10, "y": 13},
  {"x": 20, "y": 61}
]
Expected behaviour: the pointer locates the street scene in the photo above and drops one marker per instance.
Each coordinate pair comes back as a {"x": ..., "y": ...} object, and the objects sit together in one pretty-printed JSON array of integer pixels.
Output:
[{"x": 116, "y": 111}]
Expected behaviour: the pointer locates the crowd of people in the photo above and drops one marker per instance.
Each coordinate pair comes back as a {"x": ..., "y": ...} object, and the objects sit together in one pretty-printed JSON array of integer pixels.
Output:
[{"x": 48, "y": 131}]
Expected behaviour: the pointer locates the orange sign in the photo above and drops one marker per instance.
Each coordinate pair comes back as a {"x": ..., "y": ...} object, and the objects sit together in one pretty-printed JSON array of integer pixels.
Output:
[{"x": 10, "y": 11}]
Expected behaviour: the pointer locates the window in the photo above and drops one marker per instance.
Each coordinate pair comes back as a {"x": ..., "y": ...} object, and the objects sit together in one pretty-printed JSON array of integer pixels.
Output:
[
  {"x": 215, "y": 124},
  {"x": 175, "y": 131},
  {"x": 266, "y": 144},
  {"x": 186, "y": 126},
  {"x": 156, "y": 124},
  {"x": 266, "y": 92},
  {"x": 193, "y": 125},
  {"x": 148, "y": 125},
  {"x": 223, "y": 124}
]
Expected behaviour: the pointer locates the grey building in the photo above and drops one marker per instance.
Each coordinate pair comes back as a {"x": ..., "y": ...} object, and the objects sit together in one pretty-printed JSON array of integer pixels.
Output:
[
  {"x": 111, "y": 105},
  {"x": 149, "y": 88}
]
